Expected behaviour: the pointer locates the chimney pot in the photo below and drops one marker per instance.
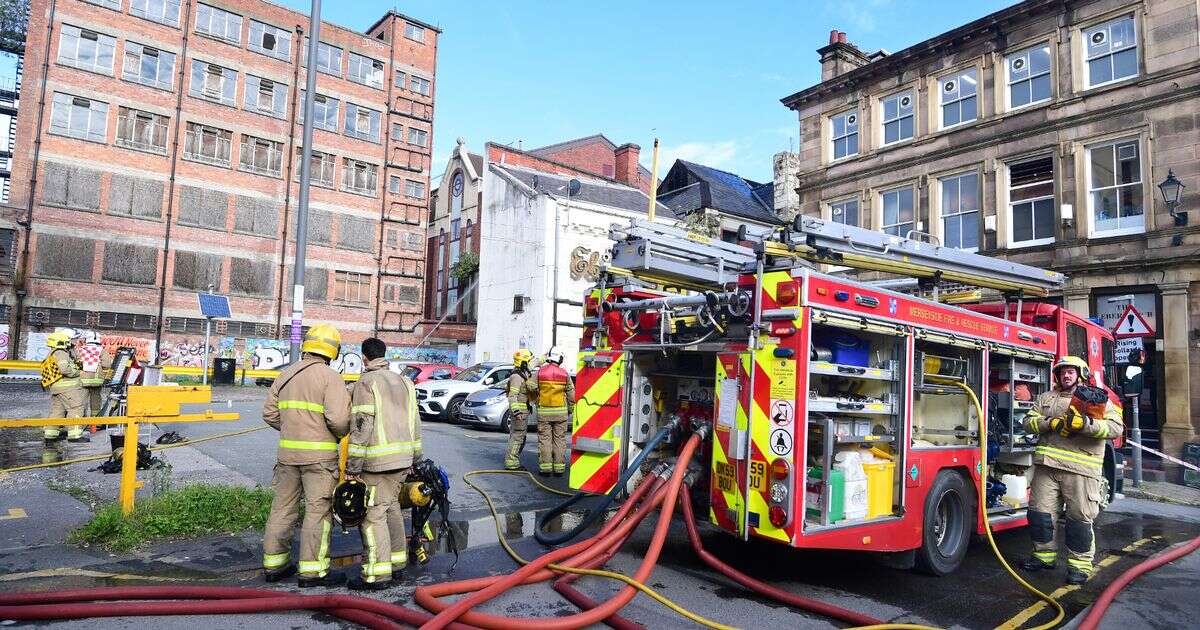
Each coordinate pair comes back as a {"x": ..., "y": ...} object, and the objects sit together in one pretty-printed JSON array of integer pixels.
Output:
[
  {"x": 833, "y": 36},
  {"x": 841, "y": 37}
]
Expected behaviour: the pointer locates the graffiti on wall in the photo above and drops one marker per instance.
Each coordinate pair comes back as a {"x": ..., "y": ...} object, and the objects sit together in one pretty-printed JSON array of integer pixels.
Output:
[
  {"x": 35, "y": 345},
  {"x": 423, "y": 355},
  {"x": 3, "y": 342}
]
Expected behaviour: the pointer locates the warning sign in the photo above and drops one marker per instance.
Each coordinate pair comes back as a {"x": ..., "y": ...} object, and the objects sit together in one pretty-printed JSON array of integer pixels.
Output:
[
  {"x": 1127, "y": 347},
  {"x": 783, "y": 379},
  {"x": 783, "y": 412},
  {"x": 1132, "y": 324},
  {"x": 781, "y": 442}
]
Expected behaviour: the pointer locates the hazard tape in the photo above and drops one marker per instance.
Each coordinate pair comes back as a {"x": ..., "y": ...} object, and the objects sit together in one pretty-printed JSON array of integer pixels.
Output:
[{"x": 1163, "y": 455}]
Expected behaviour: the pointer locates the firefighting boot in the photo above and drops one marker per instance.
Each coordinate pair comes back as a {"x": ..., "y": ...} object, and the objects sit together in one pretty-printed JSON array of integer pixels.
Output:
[
  {"x": 1033, "y": 563},
  {"x": 358, "y": 584},
  {"x": 280, "y": 573},
  {"x": 330, "y": 579},
  {"x": 1076, "y": 577}
]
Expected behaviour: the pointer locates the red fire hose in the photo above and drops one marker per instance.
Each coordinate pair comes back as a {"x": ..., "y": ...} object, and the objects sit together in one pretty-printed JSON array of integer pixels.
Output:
[{"x": 1092, "y": 620}]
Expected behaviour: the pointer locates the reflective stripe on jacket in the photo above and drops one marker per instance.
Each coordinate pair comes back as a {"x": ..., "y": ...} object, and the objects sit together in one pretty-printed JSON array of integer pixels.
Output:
[
  {"x": 518, "y": 398},
  {"x": 69, "y": 368},
  {"x": 1081, "y": 452},
  {"x": 309, "y": 405},
  {"x": 554, "y": 390},
  {"x": 385, "y": 431}
]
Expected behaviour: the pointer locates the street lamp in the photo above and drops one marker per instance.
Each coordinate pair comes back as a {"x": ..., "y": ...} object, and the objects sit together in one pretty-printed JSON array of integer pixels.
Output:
[{"x": 1172, "y": 189}]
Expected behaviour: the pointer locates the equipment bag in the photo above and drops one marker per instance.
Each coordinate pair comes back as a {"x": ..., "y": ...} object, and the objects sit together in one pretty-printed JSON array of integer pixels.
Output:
[
  {"x": 1090, "y": 401},
  {"x": 50, "y": 373}
]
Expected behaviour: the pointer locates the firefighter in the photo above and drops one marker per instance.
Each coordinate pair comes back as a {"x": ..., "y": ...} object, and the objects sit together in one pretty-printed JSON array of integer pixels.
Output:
[
  {"x": 518, "y": 408},
  {"x": 94, "y": 361},
  {"x": 555, "y": 393},
  {"x": 385, "y": 438},
  {"x": 60, "y": 375},
  {"x": 1068, "y": 467},
  {"x": 310, "y": 407}
]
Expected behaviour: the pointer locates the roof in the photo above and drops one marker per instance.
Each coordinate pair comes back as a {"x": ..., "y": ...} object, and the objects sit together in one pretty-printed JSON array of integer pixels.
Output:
[
  {"x": 393, "y": 12},
  {"x": 551, "y": 149},
  {"x": 690, "y": 187},
  {"x": 476, "y": 162},
  {"x": 596, "y": 191}
]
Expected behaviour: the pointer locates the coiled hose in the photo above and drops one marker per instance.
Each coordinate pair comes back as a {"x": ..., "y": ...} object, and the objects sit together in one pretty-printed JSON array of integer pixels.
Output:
[{"x": 596, "y": 512}]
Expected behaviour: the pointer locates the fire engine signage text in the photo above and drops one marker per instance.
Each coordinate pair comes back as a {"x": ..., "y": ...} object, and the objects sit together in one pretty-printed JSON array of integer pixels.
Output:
[{"x": 952, "y": 320}]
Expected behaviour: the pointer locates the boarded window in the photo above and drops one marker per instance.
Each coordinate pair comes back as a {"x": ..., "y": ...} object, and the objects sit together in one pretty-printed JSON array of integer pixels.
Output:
[
  {"x": 196, "y": 271},
  {"x": 356, "y": 233},
  {"x": 409, "y": 295},
  {"x": 256, "y": 216},
  {"x": 65, "y": 257},
  {"x": 250, "y": 277},
  {"x": 71, "y": 186},
  {"x": 316, "y": 283},
  {"x": 203, "y": 207},
  {"x": 130, "y": 264},
  {"x": 8, "y": 250},
  {"x": 320, "y": 227},
  {"x": 135, "y": 197}
]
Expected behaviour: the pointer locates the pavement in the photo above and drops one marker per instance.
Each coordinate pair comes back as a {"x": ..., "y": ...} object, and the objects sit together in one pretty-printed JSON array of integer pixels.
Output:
[
  {"x": 1164, "y": 492},
  {"x": 52, "y": 501}
]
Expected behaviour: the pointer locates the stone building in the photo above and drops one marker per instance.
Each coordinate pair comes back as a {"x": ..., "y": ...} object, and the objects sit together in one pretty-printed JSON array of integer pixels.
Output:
[
  {"x": 157, "y": 154},
  {"x": 1038, "y": 133}
]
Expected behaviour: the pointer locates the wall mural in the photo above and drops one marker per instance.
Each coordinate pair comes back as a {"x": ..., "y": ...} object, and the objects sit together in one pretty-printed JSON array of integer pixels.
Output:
[
  {"x": 585, "y": 263},
  {"x": 3, "y": 342}
]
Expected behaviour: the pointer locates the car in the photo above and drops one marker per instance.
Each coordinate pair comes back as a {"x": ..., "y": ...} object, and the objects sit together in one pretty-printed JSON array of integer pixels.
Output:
[
  {"x": 486, "y": 407},
  {"x": 421, "y": 372},
  {"x": 441, "y": 400}
]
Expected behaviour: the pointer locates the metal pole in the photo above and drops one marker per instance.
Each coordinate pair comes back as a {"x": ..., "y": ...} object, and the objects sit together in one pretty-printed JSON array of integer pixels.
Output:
[
  {"x": 207, "y": 331},
  {"x": 653, "y": 182},
  {"x": 1136, "y": 435},
  {"x": 310, "y": 83},
  {"x": 554, "y": 307}
]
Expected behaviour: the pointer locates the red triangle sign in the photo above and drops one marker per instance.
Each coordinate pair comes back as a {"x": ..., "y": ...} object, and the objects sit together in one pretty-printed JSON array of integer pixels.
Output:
[{"x": 1132, "y": 324}]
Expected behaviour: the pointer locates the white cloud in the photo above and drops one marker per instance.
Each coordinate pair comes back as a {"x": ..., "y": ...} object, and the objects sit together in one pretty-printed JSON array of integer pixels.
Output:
[{"x": 715, "y": 154}]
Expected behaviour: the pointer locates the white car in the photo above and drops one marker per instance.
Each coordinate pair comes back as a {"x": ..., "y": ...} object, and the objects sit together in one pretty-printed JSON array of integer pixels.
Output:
[{"x": 441, "y": 399}]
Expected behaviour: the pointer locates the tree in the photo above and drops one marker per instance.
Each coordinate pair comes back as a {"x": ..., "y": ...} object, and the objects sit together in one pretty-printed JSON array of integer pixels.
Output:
[{"x": 14, "y": 24}]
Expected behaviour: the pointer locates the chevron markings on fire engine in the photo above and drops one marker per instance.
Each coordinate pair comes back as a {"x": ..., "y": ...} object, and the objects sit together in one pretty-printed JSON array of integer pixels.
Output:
[{"x": 597, "y": 413}]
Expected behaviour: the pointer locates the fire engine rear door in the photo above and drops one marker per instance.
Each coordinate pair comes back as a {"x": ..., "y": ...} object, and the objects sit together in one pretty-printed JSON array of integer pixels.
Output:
[{"x": 598, "y": 424}]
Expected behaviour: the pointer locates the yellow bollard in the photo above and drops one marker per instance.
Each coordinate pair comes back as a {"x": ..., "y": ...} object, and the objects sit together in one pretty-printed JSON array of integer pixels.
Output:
[{"x": 129, "y": 481}]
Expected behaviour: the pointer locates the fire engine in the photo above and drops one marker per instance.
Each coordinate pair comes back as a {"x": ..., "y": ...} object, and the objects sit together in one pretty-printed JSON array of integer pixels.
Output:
[{"x": 837, "y": 407}]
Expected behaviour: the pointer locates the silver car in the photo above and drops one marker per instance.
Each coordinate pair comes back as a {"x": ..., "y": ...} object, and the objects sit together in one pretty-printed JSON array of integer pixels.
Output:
[{"x": 487, "y": 407}]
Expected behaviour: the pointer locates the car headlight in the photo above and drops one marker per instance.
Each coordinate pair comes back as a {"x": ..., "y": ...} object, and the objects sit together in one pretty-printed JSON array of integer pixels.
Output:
[
  {"x": 495, "y": 400},
  {"x": 438, "y": 393}
]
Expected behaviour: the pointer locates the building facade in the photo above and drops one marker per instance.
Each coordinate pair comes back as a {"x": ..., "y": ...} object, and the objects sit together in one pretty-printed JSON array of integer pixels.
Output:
[
  {"x": 158, "y": 154},
  {"x": 1039, "y": 134}
]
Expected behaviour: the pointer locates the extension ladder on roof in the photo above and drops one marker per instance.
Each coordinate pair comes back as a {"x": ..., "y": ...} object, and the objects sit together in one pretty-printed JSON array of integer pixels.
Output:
[{"x": 674, "y": 257}]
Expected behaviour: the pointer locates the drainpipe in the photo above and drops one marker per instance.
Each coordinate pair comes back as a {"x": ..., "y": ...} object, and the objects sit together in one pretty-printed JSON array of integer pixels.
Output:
[{"x": 387, "y": 139}]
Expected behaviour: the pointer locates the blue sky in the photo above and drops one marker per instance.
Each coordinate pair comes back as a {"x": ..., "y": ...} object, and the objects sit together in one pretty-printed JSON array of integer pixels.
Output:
[{"x": 705, "y": 77}]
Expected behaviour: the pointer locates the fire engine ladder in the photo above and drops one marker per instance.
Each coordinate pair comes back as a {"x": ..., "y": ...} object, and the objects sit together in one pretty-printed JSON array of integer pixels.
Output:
[
  {"x": 819, "y": 241},
  {"x": 677, "y": 258}
]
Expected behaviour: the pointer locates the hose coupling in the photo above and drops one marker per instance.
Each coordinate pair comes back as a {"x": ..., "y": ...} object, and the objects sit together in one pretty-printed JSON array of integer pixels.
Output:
[
  {"x": 704, "y": 430},
  {"x": 668, "y": 469},
  {"x": 693, "y": 474}
]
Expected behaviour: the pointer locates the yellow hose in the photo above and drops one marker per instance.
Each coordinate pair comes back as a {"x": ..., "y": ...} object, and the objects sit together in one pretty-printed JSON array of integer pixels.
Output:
[{"x": 562, "y": 569}]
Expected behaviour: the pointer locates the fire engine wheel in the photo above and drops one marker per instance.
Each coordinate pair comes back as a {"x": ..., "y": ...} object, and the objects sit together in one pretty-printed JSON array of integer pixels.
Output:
[{"x": 948, "y": 518}]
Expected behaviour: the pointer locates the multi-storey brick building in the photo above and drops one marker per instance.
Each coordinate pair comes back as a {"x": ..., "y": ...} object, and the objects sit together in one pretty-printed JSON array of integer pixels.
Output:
[
  {"x": 1038, "y": 133},
  {"x": 158, "y": 154}
]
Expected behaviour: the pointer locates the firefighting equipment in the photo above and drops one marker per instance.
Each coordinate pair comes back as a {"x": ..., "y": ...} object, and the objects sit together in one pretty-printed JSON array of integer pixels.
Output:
[
  {"x": 58, "y": 339},
  {"x": 67, "y": 397},
  {"x": 518, "y": 409},
  {"x": 555, "y": 394},
  {"x": 386, "y": 430},
  {"x": 90, "y": 336},
  {"x": 50, "y": 372},
  {"x": 1089, "y": 401},
  {"x": 309, "y": 405},
  {"x": 434, "y": 477},
  {"x": 1080, "y": 451},
  {"x": 322, "y": 340},
  {"x": 350, "y": 503},
  {"x": 1075, "y": 362},
  {"x": 554, "y": 356},
  {"x": 521, "y": 358}
]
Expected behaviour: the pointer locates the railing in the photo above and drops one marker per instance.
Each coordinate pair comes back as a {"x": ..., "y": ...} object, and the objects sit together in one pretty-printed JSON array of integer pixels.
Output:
[
  {"x": 216, "y": 152},
  {"x": 141, "y": 134},
  {"x": 169, "y": 370}
]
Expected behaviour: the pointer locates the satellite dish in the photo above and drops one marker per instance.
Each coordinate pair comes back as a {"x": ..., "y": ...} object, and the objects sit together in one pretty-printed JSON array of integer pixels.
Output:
[{"x": 574, "y": 186}]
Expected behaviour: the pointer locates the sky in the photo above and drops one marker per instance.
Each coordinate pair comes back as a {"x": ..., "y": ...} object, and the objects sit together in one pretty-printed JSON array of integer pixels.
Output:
[{"x": 704, "y": 77}]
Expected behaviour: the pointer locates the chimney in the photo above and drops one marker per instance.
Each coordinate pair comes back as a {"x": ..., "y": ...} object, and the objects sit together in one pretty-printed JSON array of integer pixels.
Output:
[
  {"x": 840, "y": 56},
  {"x": 627, "y": 165},
  {"x": 787, "y": 179}
]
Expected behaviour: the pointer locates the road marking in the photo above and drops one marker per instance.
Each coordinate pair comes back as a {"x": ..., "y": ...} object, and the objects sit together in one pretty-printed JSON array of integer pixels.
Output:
[
  {"x": 14, "y": 513},
  {"x": 70, "y": 572},
  {"x": 1020, "y": 618}
]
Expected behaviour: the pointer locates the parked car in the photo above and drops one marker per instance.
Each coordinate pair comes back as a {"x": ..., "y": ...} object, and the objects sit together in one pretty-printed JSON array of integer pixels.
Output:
[
  {"x": 421, "y": 372},
  {"x": 441, "y": 400},
  {"x": 486, "y": 407}
]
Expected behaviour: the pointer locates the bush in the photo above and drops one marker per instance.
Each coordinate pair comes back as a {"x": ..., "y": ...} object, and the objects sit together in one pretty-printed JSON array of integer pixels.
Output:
[{"x": 196, "y": 510}]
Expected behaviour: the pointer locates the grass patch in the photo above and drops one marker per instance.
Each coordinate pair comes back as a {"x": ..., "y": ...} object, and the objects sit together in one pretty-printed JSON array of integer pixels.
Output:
[{"x": 191, "y": 511}]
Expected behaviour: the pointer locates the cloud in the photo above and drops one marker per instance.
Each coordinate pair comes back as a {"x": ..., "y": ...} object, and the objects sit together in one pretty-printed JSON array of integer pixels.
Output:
[{"x": 716, "y": 154}]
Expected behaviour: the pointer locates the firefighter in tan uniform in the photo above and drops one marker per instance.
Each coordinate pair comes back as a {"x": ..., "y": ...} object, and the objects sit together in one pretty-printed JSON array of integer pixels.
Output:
[
  {"x": 95, "y": 361},
  {"x": 555, "y": 395},
  {"x": 1068, "y": 468},
  {"x": 60, "y": 375},
  {"x": 309, "y": 405},
  {"x": 518, "y": 408},
  {"x": 385, "y": 438}
]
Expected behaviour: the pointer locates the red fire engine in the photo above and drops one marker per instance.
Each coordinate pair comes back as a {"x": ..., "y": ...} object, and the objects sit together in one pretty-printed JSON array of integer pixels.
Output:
[{"x": 837, "y": 405}]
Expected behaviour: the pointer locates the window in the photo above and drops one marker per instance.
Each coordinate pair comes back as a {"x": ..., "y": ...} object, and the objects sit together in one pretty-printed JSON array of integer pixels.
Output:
[
  {"x": 270, "y": 40},
  {"x": 351, "y": 288},
  {"x": 320, "y": 168},
  {"x": 397, "y": 132},
  {"x": 845, "y": 212},
  {"x": 958, "y": 93},
  {"x": 399, "y": 79},
  {"x": 213, "y": 82},
  {"x": 148, "y": 66},
  {"x": 414, "y": 32},
  {"x": 1028, "y": 76},
  {"x": 359, "y": 177},
  {"x": 898, "y": 216},
  {"x": 420, "y": 85},
  {"x": 366, "y": 70},
  {"x": 1077, "y": 344},
  {"x": 329, "y": 58},
  {"x": 259, "y": 155},
  {"x": 394, "y": 182},
  {"x": 141, "y": 130},
  {"x": 845, "y": 134},
  {"x": 414, "y": 189},
  {"x": 218, "y": 23},
  {"x": 418, "y": 137},
  {"x": 161, "y": 11},
  {"x": 115, "y": 5},
  {"x": 960, "y": 211},
  {"x": 362, "y": 123},
  {"x": 898, "y": 118},
  {"x": 518, "y": 304},
  {"x": 79, "y": 117},
  {"x": 86, "y": 50},
  {"x": 325, "y": 112},
  {"x": 1031, "y": 201},
  {"x": 265, "y": 96},
  {"x": 1111, "y": 52},
  {"x": 1115, "y": 188},
  {"x": 210, "y": 145}
]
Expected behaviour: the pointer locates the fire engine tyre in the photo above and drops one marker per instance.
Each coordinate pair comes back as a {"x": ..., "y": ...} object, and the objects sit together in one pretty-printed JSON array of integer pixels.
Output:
[{"x": 949, "y": 520}]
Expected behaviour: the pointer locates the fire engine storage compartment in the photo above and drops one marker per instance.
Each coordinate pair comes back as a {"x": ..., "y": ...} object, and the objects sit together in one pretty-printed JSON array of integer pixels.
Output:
[
  {"x": 943, "y": 414},
  {"x": 856, "y": 378},
  {"x": 1016, "y": 378}
]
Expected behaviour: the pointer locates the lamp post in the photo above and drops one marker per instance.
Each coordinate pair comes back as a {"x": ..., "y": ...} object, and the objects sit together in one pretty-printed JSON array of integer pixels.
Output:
[{"x": 1172, "y": 190}]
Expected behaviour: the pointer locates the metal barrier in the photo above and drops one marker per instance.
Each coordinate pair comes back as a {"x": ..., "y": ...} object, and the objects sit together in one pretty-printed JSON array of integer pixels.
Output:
[
  {"x": 143, "y": 404},
  {"x": 182, "y": 370}
]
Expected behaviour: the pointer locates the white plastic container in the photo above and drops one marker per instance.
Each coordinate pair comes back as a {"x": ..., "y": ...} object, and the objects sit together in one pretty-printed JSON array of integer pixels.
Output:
[
  {"x": 1016, "y": 488},
  {"x": 855, "y": 493}
]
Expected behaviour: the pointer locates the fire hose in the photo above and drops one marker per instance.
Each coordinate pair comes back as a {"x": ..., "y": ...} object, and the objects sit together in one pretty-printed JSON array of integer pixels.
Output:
[{"x": 1092, "y": 620}]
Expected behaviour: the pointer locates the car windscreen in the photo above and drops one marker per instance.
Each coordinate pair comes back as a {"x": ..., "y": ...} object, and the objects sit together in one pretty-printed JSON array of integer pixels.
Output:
[{"x": 473, "y": 374}]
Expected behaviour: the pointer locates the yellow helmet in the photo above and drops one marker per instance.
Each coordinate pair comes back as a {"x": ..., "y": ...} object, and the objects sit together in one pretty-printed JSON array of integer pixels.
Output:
[
  {"x": 1075, "y": 362},
  {"x": 522, "y": 357},
  {"x": 322, "y": 340},
  {"x": 58, "y": 339}
]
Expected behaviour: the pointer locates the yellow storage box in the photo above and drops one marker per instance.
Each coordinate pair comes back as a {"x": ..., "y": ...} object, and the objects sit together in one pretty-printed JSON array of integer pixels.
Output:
[{"x": 880, "y": 482}]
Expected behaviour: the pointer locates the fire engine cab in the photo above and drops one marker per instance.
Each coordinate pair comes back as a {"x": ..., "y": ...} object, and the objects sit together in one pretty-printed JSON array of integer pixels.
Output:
[{"x": 838, "y": 407}]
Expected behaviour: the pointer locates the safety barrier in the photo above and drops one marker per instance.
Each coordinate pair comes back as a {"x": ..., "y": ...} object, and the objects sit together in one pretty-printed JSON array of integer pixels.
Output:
[
  {"x": 143, "y": 404},
  {"x": 169, "y": 370}
]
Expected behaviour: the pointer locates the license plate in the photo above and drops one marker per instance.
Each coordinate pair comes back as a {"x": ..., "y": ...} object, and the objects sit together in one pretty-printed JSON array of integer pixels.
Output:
[
  {"x": 726, "y": 474},
  {"x": 758, "y": 475}
]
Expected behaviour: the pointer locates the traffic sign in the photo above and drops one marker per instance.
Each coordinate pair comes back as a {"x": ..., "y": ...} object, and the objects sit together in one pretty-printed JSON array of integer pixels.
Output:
[
  {"x": 213, "y": 305},
  {"x": 1132, "y": 324}
]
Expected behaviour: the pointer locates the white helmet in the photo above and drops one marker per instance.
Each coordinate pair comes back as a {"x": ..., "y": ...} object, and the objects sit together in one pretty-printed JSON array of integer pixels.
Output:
[
  {"x": 91, "y": 336},
  {"x": 71, "y": 333},
  {"x": 554, "y": 356}
]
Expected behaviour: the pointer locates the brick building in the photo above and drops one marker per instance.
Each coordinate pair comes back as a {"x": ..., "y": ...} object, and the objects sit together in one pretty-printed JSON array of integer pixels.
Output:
[
  {"x": 1038, "y": 133},
  {"x": 158, "y": 154}
]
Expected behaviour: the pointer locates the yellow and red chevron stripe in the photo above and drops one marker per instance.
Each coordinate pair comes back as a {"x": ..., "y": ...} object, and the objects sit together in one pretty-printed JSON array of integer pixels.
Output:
[
  {"x": 725, "y": 491},
  {"x": 599, "y": 401}
]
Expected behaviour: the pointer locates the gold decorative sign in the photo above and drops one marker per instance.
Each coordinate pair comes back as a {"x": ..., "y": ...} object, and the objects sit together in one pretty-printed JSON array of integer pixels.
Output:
[{"x": 585, "y": 263}]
